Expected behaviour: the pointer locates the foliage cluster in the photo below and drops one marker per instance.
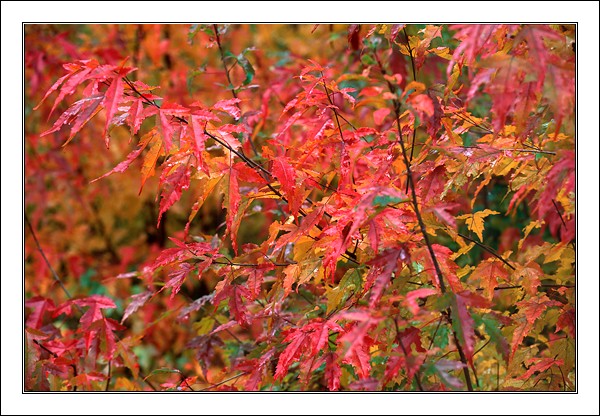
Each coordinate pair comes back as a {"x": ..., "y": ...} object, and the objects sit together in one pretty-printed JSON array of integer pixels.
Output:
[{"x": 337, "y": 207}]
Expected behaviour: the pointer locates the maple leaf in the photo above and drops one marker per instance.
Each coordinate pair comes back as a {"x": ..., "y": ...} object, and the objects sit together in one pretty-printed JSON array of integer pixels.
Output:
[
  {"x": 333, "y": 371},
  {"x": 410, "y": 300},
  {"x": 381, "y": 271},
  {"x": 566, "y": 321},
  {"x": 177, "y": 277},
  {"x": 167, "y": 122},
  {"x": 112, "y": 97},
  {"x": 95, "y": 303},
  {"x": 475, "y": 221},
  {"x": 78, "y": 72},
  {"x": 39, "y": 306},
  {"x": 122, "y": 167},
  {"x": 447, "y": 266},
  {"x": 286, "y": 175},
  {"x": 231, "y": 202},
  {"x": 137, "y": 301},
  {"x": 103, "y": 329},
  {"x": 463, "y": 322},
  {"x": 529, "y": 276},
  {"x": 539, "y": 365},
  {"x": 174, "y": 179},
  {"x": 308, "y": 340},
  {"x": 230, "y": 107},
  {"x": 487, "y": 273},
  {"x": 444, "y": 367},
  {"x": 206, "y": 347},
  {"x": 529, "y": 311},
  {"x": 156, "y": 149},
  {"x": 356, "y": 342},
  {"x": 380, "y": 115},
  {"x": 85, "y": 380}
]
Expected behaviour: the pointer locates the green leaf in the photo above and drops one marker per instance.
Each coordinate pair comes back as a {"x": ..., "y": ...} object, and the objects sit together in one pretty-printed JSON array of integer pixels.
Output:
[
  {"x": 384, "y": 200},
  {"x": 367, "y": 60},
  {"x": 247, "y": 67}
]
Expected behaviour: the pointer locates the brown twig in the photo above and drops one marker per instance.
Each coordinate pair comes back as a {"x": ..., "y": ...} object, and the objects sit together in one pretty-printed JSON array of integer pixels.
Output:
[
  {"x": 57, "y": 279},
  {"x": 423, "y": 229},
  {"x": 489, "y": 250},
  {"x": 212, "y": 386}
]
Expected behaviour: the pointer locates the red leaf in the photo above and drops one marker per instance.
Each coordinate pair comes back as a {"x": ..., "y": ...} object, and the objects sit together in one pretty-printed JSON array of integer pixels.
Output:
[
  {"x": 236, "y": 304},
  {"x": 381, "y": 271},
  {"x": 541, "y": 365},
  {"x": 380, "y": 115},
  {"x": 488, "y": 273},
  {"x": 112, "y": 97},
  {"x": 286, "y": 175},
  {"x": 199, "y": 139},
  {"x": 308, "y": 222},
  {"x": 411, "y": 298},
  {"x": 232, "y": 204},
  {"x": 444, "y": 367},
  {"x": 178, "y": 276},
  {"x": 463, "y": 322},
  {"x": 230, "y": 107},
  {"x": 333, "y": 371},
  {"x": 79, "y": 73},
  {"x": 567, "y": 321},
  {"x": 291, "y": 353},
  {"x": 136, "y": 114},
  {"x": 308, "y": 340},
  {"x": 173, "y": 181},
  {"x": 106, "y": 328},
  {"x": 530, "y": 309},
  {"x": 529, "y": 276},
  {"x": 447, "y": 266},
  {"x": 137, "y": 301},
  {"x": 39, "y": 306},
  {"x": 121, "y": 167},
  {"x": 430, "y": 187},
  {"x": 95, "y": 303}
]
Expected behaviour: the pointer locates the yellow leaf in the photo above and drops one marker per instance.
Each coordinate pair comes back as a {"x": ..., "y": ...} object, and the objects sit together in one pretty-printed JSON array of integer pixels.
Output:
[
  {"x": 463, "y": 250},
  {"x": 528, "y": 229},
  {"x": 475, "y": 221}
]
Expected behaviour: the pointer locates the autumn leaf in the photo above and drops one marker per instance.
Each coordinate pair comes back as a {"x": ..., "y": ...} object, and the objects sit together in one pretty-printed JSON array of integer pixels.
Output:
[
  {"x": 137, "y": 301},
  {"x": 529, "y": 311},
  {"x": 488, "y": 273},
  {"x": 475, "y": 221},
  {"x": 174, "y": 180},
  {"x": 412, "y": 296},
  {"x": 539, "y": 365},
  {"x": 529, "y": 276},
  {"x": 463, "y": 322},
  {"x": 285, "y": 174},
  {"x": 95, "y": 304},
  {"x": 177, "y": 277},
  {"x": 39, "y": 306}
]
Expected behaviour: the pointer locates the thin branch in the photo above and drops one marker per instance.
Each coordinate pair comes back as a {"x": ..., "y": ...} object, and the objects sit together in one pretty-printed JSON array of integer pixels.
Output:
[
  {"x": 488, "y": 249},
  {"x": 463, "y": 359},
  {"x": 227, "y": 70},
  {"x": 545, "y": 152},
  {"x": 54, "y": 274},
  {"x": 218, "y": 39},
  {"x": 559, "y": 214},
  {"x": 435, "y": 333},
  {"x": 212, "y": 386},
  {"x": 412, "y": 62},
  {"x": 423, "y": 229}
]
